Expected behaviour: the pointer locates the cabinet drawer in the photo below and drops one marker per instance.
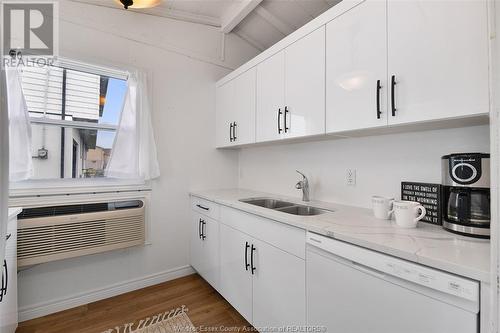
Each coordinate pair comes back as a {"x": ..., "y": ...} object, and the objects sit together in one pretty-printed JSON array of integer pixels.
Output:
[
  {"x": 282, "y": 236},
  {"x": 208, "y": 208}
]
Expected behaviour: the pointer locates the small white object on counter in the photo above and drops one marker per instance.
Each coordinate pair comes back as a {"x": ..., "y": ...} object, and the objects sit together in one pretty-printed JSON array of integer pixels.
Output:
[{"x": 427, "y": 244}]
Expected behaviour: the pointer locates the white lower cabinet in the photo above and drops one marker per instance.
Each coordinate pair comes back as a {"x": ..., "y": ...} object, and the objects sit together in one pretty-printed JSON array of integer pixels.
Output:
[
  {"x": 236, "y": 277},
  {"x": 258, "y": 265},
  {"x": 279, "y": 297},
  {"x": 205, "y": 248},
  {"x": 265, "y": 283}
]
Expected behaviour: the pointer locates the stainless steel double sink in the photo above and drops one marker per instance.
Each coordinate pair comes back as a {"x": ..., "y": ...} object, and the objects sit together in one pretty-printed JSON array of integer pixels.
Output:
[{"x": 285, "y": 207}]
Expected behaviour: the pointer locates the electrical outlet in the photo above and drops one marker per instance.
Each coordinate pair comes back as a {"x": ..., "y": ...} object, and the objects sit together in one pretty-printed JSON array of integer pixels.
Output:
[{"x": 350, "y": 177}]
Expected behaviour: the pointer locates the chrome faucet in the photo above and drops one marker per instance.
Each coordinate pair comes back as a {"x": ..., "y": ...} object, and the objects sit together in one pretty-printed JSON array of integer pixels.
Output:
[{"x": 304, "y": 186}]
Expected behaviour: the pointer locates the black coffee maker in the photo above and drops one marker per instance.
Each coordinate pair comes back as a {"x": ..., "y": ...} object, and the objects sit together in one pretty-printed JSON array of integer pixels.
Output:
[{"x": 466, "y": 194}]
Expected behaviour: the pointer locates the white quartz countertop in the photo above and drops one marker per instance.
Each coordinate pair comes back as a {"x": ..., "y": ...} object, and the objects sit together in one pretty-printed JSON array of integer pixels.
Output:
[
  {"x": 427, "y": 244},
  {"x": 13, "y": 212}
]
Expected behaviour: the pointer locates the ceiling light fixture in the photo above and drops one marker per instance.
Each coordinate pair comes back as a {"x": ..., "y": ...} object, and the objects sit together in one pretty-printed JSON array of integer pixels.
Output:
[{"x": 137, "y": 4}]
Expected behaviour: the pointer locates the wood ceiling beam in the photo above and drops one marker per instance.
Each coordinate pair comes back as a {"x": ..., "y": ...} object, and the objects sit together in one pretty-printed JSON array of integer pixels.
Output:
[
  {"x": 281, "y": 26},
  {"x": 237, "y": 13},
  {"x": 240, "y": 33}
]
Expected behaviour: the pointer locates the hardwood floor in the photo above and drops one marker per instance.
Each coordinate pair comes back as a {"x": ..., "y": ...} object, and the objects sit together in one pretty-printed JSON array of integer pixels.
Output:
[{"x": 206, "y": 307}]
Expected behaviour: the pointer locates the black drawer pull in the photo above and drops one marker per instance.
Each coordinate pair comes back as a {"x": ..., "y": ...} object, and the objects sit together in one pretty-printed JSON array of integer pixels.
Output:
[
  {"x": 393, "y": 98},
  {"x": 378, "y": 99},
  {"x": 204, "y": 208},
  {"x": 246, "y": 256},
  {"x": 234, "y": 131},
  {"x": 251, "y": 260}
]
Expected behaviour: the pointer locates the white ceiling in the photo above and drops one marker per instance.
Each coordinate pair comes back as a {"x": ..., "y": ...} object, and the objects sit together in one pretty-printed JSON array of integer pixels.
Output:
[{"x": 260, "y": 22}]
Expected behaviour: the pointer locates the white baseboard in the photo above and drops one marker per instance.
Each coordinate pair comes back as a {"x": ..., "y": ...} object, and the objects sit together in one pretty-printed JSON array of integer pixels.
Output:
[{"x": 43, "y": 309}]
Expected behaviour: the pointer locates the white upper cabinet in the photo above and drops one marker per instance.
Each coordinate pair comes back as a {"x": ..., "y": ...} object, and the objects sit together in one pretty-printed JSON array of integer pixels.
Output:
[
  {"x": 356, "y": 68},
  {"x": 236, "y": 110},
  {"x": 367, "y": 64},
  {"x": 224, "y": 114},
  {"x": 305, "y": 86},
  {"x": 291, "y": 90},
  {"x": 270, "y": 98},
  {"x": 244, "y": 131},
  {"x": 438, "y": 55}
]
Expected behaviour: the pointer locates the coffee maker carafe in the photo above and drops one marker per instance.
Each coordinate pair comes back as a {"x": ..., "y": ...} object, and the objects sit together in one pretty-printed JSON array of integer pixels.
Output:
[{"x": 466, "y": 194}]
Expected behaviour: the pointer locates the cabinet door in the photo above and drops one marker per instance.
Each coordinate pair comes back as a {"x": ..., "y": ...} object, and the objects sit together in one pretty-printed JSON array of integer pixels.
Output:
[
  {"x": 305, "y": 85},
  {"x": 8, "y": 305},
  {"x": 278, "y": 287},
  {"x": 235, "y": 278},
  {"x": 205, "y": 248},
  {"x": 270, "y": 98},
  {"x": 225, "y": 115},
  {"x": 244, "y": 106},
  {"x": 356, "y": 68},
  {"x": 438, "y": 53}
]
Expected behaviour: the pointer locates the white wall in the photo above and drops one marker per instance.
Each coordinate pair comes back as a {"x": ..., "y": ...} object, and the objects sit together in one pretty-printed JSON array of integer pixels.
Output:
[
  {"x": 184, "y": 66},
  {"x": 381, "y": 162}
]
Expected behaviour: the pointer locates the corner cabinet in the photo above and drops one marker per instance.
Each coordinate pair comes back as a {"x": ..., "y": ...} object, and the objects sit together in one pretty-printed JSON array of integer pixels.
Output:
[
  {"x": 256, "y": 264},
  {"x": 291, "y": 90},
  {"x": 235, "y": 111}
]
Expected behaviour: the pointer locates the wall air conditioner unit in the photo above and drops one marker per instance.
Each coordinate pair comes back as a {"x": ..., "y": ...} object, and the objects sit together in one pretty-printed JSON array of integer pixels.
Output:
[{"x": 59, "y": 232}]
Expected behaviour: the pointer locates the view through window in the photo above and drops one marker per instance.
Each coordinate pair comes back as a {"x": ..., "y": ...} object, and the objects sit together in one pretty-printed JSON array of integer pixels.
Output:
[{"x": 74, "y": 117}]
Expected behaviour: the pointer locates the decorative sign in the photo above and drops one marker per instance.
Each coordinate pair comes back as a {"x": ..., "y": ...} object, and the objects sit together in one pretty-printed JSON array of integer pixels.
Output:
[{"x": 428, "y": 195}]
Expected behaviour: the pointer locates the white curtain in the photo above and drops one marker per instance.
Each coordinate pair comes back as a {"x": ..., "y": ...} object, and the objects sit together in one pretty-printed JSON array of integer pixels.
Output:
[
  {"x": 20, "y": 160},
  {"x": 134, "y": 151}
]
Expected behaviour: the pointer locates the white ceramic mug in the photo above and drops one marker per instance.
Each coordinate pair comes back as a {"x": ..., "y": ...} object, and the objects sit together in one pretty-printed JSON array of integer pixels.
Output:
[
  {"x": 406, "y": 213},
  {"x": 382, "y": 207}
]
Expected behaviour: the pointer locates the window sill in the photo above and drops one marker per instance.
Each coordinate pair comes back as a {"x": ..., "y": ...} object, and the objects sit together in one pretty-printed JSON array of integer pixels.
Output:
[{"x": 75, "y": 186}]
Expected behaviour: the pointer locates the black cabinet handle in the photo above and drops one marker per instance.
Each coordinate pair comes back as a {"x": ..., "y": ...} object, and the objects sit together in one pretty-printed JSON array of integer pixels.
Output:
[
  {"x": 234, "y": 131},
  {"x": 251, "y": 260},
  {"x": 199, "y": 229},
  {"x": 2, "y": 287},
  {"x": 393, "y": 88},
  {"x": 203, "y": 229},
  {"x": 230, "y": 132},
  {"x": 279, "y": 121},
  {"x": 246, "y": 256},
  {"x": 378, "y": 99},
  {"x": 204, "y": 208},
  {"x": 286, "y": 112},
  {"x": 6, "y": 277}
]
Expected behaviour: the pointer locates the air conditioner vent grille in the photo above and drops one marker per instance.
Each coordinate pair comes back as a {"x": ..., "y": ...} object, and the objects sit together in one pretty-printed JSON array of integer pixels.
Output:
[{"x": 53, "y": 238}]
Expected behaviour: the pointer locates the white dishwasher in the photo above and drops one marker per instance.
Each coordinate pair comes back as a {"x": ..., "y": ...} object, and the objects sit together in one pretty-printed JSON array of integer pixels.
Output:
[{"x": 354, "y": 290}]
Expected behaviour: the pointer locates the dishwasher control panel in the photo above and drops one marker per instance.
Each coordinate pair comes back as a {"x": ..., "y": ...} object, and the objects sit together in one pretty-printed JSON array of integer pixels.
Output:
[{"x": 385, "y": 264}]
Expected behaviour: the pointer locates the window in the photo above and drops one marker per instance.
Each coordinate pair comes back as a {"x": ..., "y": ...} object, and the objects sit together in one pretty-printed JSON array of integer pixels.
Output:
[{"x": 74, "y": 116}]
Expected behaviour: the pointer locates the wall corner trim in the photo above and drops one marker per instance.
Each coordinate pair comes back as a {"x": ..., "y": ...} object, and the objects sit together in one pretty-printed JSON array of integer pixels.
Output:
[{"x": 43, "y": 309}]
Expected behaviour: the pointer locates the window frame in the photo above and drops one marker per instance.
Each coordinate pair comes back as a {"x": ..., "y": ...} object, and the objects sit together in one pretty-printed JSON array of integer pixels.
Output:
[{"x": 69, "y": 185}]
